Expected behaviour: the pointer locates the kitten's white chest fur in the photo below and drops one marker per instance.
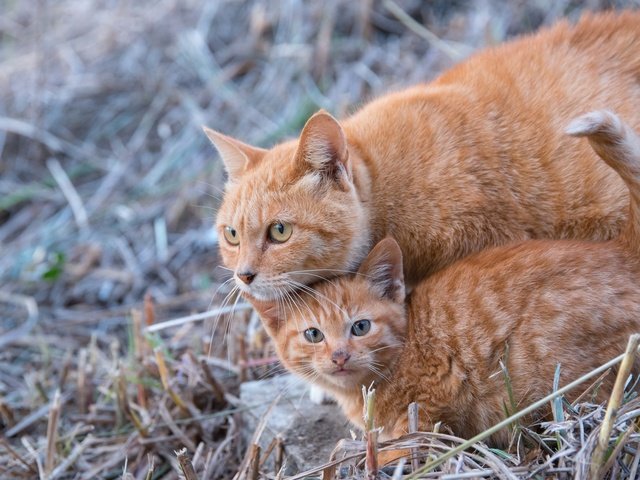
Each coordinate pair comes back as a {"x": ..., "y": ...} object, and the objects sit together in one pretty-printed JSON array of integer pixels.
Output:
[{"x": 319, "y": 396}]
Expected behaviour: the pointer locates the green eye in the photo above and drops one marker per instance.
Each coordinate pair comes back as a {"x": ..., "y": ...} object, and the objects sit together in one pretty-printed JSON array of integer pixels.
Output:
[
  {"x": 313, "y": 335},
  {"x": 231, "y": 235},
  {"x": 280, "y": 232},
  {"x": 361, "y": 327}
]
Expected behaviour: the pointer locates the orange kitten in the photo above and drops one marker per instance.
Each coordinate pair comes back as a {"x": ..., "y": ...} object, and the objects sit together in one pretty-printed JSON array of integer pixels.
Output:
[
  {"x": 561, "y": 302},
  {"x": 472, "y": 160}
]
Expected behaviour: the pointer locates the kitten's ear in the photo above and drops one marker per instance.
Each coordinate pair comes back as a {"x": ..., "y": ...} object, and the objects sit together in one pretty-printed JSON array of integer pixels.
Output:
[
  {"x": 383, "y": 270},
  {"x": 323, "y": 147},
  {"x": 237, "y": 157}
]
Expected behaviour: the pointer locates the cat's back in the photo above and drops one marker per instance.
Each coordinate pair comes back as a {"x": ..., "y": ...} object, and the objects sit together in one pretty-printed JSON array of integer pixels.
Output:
[
  {"x": 542, "y": 303},
  {"x": 517, "y": 272},
  {"x": 525, "y": 91},
  {"x": 483, "y": 148},
  {"x": 560, "y": 291},
  {"x": 563, "y": 69},
  {"x": 564, "y": 54}
]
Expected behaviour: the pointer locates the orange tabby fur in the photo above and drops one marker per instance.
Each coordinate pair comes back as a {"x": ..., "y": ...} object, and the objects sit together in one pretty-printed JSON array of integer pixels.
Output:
[
  {"x": 472, "y": 160},
  {"x": 566, "y": 302}
]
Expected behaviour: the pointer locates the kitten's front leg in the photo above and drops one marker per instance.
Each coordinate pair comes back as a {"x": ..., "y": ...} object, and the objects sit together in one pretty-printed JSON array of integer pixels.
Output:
[
  {"x": 399, "y": 429},
  {"x": 386, "y": 457}
]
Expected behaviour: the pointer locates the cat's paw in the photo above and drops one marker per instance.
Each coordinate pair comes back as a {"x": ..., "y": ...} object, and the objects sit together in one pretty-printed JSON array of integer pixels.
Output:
[{"x": 597, "y": 122}]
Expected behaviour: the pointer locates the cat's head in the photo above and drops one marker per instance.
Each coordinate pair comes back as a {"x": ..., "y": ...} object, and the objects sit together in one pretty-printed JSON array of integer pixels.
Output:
[
  {"x": 350, "y": 330},
  {"x": 290, "y": 215}
]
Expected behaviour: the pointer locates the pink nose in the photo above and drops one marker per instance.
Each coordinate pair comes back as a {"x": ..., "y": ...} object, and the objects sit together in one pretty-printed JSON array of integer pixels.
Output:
[
  {"x": 246, "y": 277},
  {"x": 340, "y": 357}
]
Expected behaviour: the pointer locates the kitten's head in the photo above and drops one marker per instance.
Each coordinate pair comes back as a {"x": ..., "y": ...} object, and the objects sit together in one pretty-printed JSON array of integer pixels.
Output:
[
  {"x": 290, "y": 215},
  {"x": 350, "y": 330}
]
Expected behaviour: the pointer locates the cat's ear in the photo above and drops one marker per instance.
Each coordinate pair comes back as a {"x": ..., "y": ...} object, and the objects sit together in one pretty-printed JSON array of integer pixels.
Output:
[
  {"x": 237, "y": 157},
  {"x": 323, "y": 147},
  {"x": 383, "y": 270}
]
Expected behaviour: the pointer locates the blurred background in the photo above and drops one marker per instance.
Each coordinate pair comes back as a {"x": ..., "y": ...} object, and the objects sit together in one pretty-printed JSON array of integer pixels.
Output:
[{"x": 109, "y": 188}]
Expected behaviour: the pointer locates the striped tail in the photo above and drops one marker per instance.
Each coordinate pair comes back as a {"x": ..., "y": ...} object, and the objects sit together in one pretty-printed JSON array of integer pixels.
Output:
[{"x": 618, "y": 145}]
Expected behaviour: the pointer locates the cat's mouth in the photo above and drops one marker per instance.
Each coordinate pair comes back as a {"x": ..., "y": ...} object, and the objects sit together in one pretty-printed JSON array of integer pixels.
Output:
[
  {"x": 259, "y": 292},
  {"x": 275, "y": 288},
  {"x": 265, "y": 290}
]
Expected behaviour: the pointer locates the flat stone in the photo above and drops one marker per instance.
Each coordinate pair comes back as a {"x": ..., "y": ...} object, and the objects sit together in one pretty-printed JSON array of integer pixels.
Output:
[{"x": 310, "y": 431}]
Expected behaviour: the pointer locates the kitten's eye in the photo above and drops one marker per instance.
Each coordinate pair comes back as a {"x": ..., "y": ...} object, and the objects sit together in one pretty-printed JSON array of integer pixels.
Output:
[
  {"x": 361, "y": 327},
  {"x": 313, "y": 335},
  {"x": 280, "y": 232},
  {"x": 231, "y": 235}
]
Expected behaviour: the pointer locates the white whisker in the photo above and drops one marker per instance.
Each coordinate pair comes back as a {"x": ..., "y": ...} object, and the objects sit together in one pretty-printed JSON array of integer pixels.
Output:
[
  {"x": 317, "y": 294},
  {"x": 214, "y": 327},
  {"x": 393, "y": 345}
]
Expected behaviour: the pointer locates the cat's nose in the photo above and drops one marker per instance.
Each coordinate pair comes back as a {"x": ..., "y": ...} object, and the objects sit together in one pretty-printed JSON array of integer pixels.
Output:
[
  {"x": 246, "y": 277},
  {"x": 340, "y": 357}
]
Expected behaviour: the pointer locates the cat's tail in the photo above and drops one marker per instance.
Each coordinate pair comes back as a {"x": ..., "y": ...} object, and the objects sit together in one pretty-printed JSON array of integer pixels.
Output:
[{"x": 618, "y": 145}]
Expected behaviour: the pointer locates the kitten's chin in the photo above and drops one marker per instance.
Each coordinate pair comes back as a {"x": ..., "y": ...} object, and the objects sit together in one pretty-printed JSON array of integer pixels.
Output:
[
  {"x": 342, "y": 373},
  {"x": 345, "y": 379}
]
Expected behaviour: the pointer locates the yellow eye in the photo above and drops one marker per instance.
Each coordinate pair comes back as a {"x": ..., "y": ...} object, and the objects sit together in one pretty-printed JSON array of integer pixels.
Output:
[
  {"x": 231, "y": 235},
  {"x": 280, "y": 232}
]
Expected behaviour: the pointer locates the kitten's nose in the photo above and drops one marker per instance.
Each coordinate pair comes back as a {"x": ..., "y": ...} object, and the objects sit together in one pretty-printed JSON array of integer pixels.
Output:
[
  {"x": 246, "y": 277},
  {"x": 340, "y": 357}
]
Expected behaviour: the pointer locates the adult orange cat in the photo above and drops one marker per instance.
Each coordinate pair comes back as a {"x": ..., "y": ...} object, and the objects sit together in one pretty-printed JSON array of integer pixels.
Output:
[
  {"x": 567, "y": 302},
  {"x": 474, "y": 159}
]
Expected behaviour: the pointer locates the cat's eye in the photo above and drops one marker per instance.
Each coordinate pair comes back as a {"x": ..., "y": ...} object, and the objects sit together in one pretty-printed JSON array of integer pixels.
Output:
[
  {"x": 313, "y": 335},
  {"x": 361, "y": 327},
  {"x": 280, "y": 232},
  {"x": 231, "y": 235}
]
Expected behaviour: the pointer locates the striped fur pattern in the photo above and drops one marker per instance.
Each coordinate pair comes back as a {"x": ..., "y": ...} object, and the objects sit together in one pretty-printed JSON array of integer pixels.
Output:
[
  {"x": 477, "y": 158},
  {"x": 531, "y": 305}
]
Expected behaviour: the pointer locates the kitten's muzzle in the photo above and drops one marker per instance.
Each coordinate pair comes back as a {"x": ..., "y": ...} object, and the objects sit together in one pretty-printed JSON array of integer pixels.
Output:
[
  {"x": 246, "y": 277},
  {"x": 340, "y": 357}
]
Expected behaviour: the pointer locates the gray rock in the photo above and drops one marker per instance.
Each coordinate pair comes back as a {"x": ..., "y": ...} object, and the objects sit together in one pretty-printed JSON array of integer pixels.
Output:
[{"x": 310, "y": 431}]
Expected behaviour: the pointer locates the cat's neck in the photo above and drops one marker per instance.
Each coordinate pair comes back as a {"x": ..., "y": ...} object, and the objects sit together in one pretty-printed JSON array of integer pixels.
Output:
[
  {"x": 365, "y": 238},
  {"x": 392, "y": 143}
]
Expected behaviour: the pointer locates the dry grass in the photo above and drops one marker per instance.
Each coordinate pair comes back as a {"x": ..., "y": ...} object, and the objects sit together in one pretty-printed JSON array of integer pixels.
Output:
[{"x": 108, "y": 191}]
